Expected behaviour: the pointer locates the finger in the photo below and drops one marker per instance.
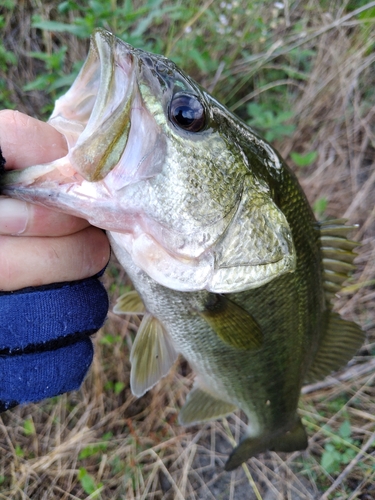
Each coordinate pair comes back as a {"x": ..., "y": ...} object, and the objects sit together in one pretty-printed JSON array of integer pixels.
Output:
[
  {"x": 20, "y": 218},
  {"x": 41, "y": 261},
  {"x": 26, "y": 141}
]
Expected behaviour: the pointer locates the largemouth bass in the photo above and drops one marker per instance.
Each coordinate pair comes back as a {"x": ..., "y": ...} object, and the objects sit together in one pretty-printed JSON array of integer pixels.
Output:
[{"x": 230, "y": 268}]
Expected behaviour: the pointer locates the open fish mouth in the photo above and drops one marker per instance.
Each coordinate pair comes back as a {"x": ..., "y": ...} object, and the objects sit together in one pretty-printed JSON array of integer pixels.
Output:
[
  {"x": 124, "y": 158},
  {"x": 113, "y": 142},
  {"x": 94, "y": 115}
]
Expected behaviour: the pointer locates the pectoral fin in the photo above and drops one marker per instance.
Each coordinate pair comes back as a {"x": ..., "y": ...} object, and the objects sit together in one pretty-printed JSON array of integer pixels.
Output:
[
  {"x": 129, "y": 303},
  {"x": 201, "y": 406},
  {"x": 152, "y": 355},
  {"x": 341, "y": 341},
  {"x": 293, "y": 440},
  {"x": 233, "y": 325}
]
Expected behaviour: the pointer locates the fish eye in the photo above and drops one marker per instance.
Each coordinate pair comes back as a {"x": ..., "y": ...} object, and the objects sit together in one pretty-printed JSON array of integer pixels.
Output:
[{"x": 187, "y": 112}]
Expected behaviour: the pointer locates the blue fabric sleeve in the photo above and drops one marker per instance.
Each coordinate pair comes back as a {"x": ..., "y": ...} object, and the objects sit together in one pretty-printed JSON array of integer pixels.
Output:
[{"x": 45, "y": 345}]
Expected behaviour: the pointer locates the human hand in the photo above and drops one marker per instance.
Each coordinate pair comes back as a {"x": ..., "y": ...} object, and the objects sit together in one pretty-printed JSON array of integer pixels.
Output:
[
  {"x": 51, "y": 300},
  {"x": 53, "y": 247}
]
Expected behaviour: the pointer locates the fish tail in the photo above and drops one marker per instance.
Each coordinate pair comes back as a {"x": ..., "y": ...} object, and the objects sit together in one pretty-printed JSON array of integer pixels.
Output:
[{"x": 293, "y": 440}]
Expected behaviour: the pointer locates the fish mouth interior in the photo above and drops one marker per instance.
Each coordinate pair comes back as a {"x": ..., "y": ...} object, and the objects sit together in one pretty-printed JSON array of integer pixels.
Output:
[{"x": 94, "y": 115}]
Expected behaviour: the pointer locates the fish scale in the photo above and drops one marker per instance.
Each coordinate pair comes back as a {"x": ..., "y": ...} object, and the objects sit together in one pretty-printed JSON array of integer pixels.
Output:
[{"x": 210, "y": 356}]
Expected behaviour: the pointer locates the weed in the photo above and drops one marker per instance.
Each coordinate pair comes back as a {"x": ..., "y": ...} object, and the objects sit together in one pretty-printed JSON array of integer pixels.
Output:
[
  {"x": 92, "y": 450},
  {"x": 304, "y": 160},
  {"x": 270, "y": 123},
  {"x": 19, "y": 451},
  {"x": 337, "y": 451},
  {"x": 88, "y": 483},
  {"x": 115, "y": 387},
  {"x": 320, "y": 207},
  {"x": 29, "y": 427}
]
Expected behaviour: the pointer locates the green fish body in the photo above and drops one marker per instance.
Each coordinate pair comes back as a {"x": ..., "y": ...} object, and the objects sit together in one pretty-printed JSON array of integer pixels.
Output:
[{"x": 230, "y": 268}]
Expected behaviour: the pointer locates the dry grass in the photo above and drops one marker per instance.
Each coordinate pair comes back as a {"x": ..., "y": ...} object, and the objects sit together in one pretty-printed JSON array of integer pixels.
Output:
[{"x": 133, "y": 449}]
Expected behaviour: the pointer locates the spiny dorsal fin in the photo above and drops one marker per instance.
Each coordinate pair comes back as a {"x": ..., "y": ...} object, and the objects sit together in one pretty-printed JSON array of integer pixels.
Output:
[
  {"x": 233, "y": 325},
  {"x": 341, "y": 341},
  {"x": 336, "y": 227},
  {"x": 129, "y": 303},
  {"x": 293, "y": 440},
  {"x": 201, "y": 406},
  {"x": 337, "y": 254},
  {"x": 152, "y": 355}
]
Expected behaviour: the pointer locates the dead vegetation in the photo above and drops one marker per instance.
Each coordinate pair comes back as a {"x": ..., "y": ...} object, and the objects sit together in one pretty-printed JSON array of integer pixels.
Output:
[{"x": 101, "y": 442}]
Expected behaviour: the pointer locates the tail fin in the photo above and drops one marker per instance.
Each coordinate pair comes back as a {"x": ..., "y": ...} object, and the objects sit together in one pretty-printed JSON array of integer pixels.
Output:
[{"x": 292, "y": 440}]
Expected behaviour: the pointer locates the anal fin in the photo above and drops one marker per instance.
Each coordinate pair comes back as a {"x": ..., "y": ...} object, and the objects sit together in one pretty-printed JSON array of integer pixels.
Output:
[
  {"x": 201, "y": 406},
  {"x": 152, "y": 355},
  {"x": 293, "y": 440},
  {"x": 341, "y": 341}
]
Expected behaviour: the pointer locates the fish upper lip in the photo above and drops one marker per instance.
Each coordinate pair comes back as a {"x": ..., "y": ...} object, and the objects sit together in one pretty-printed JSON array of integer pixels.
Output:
[{"x": 94, "y": 115}]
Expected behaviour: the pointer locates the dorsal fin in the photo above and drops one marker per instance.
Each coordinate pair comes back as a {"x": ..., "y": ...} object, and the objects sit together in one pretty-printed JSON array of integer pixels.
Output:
[
  {"x": 152, "y": 355},
  {"x": 233, "y": 325},
  {"x": 341, "y": 341},
  {"x": 337, "y": 254},
  {"x": 129, "y": 303}
]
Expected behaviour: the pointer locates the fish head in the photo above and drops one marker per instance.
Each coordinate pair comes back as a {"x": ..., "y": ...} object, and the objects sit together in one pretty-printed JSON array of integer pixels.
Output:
[{"x": 155, "y": 160}]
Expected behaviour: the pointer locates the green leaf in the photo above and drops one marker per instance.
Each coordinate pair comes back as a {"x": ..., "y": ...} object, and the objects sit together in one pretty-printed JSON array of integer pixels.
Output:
[
  {"x": 64, "y": 7},
  {"x": 63, "y": 81},
  {"x": 87, "y": 481},
  {"x": 41, "y": 82},
  {"x": 320, "y": 206},
  {"x": 115, "y": 387},
  {"x": 304, "y": 160},
  {"x": 91, "y": 450},
  {"x": 79, "y": 31},
  {"x": 110, "y": 339},
  {"x": 6, "y": 96},
  {"x": 19, "y": 451},
  {"x": 368, "y": 14},
  {"x": 28, "y": 427},
  {"x": 7, "y": 57},
  {"x": 270, "y": 122},
  {"x": 8, "y": 4},
  {"x": 348, "y": 456},
  {"x": 119, "y": 386},
  {"x": 330, "y": 460},
  {"x": 109, "y": 385},
  {"x": 345, "y": 429}
]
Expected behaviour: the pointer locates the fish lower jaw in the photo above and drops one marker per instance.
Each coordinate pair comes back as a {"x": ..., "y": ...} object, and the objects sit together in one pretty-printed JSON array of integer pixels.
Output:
[
  {"x": 182, "y": 274},
  {"x": 48, "y": 175}
]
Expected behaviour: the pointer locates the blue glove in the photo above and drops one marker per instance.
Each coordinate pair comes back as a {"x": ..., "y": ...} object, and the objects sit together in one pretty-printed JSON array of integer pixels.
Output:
[{"x": 45, "y": 345}]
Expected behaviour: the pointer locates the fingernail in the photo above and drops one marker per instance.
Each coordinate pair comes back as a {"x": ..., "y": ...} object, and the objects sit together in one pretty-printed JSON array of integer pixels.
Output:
[{"x": 14, "y": 216}]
